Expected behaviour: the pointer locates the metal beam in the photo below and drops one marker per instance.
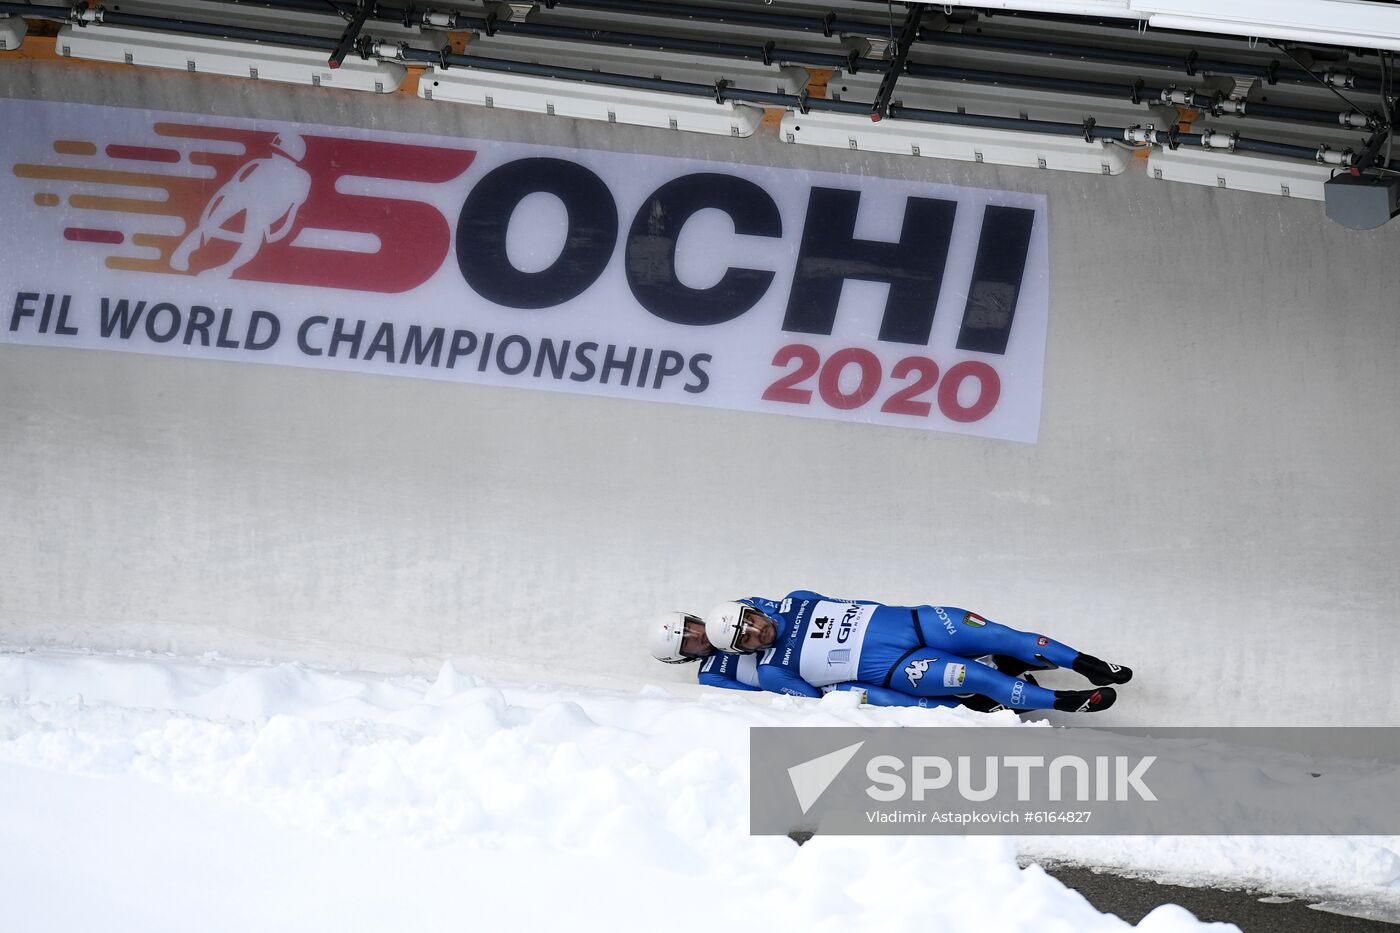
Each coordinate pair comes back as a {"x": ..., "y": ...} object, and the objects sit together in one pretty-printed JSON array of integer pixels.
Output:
[{"x": 881, "y": 107}]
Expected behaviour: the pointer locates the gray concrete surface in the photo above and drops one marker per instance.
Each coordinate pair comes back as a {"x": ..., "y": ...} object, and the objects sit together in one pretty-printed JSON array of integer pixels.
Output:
[{"x": 1252, "y": 911}]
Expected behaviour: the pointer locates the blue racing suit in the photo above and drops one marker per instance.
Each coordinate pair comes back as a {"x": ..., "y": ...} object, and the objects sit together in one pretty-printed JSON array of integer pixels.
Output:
[
  {"x": 732, "y": 671},
  {"x": 740, "y": 672},
  {"x": 925, "y": 651}
]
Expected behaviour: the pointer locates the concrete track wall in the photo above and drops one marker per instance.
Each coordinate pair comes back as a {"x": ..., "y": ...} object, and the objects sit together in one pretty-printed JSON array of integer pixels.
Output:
[{"x": 1214, "y": 497}]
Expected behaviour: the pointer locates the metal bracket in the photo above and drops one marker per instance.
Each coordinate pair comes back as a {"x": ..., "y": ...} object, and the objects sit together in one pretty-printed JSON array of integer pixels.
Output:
[
  {"x": 1191, "y": 58},
  {"x": 881, "y": 107},
  {"x": 721, "y": 86},
  {"x": 351, "y": 33},
  {"x": 1171, "y": 95},
  {"x": 1089, "y": 123},
  {"x": 369, "y": 47},
  {"x": 1367, "y": 158},
  {"x": 1228, "y": 141},
  {"x": 1329, "y": 156},
  {"x": 1137, "y": 91},
  {"x": 881, "y": 46},
  {"x": 1221, "y": 105},
  {"x": 82, "y": 15}
]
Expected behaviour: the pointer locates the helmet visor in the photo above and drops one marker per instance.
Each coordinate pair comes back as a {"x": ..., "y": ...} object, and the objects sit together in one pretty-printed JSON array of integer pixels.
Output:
[
  {"x": 749, "y": 633},
  {"x": 693, "y": 642}
]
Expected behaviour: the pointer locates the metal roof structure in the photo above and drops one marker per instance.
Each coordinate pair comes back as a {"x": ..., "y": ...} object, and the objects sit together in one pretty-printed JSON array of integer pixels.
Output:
[{"x": 1272, "y": 98}]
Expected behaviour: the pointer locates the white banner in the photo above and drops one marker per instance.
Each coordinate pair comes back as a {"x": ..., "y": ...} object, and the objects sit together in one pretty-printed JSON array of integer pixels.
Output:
[{"x": 604, "y": 273}]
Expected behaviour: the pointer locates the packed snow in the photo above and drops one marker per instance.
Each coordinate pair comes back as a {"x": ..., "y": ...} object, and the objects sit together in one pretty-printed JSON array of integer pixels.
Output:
[{"x": 143, "y": 792}]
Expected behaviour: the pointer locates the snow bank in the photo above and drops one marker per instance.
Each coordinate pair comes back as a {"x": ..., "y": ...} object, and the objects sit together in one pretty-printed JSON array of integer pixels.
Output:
[{"x": 153, "y": 793}]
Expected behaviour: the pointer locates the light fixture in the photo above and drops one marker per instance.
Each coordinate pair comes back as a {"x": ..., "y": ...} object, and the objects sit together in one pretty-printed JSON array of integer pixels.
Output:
[
  {"x": 1240, "y": 171},
  {"x": 587, "y": 101},
  {"x": 12, "y": 32},
  {"x": 232, "y": 57},
  {"x": 946, "y": 141}
]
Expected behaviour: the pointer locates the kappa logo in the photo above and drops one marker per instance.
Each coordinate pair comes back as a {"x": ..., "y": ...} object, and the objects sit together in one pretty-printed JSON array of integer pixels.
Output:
[
  {"x": 285, "y": 208},
  {"x": 917, "y": 669}
]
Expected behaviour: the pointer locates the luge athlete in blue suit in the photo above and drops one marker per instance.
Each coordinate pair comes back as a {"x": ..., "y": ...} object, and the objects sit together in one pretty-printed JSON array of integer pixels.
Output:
[
  {"x": 808, "y": 641},
  {"x": 680, "y": 637}
]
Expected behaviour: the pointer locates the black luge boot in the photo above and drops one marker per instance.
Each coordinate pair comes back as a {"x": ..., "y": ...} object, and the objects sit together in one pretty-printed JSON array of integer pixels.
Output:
[
  {"x": 1085, "y": 701},
  {"x": 1101, "y": 673}
]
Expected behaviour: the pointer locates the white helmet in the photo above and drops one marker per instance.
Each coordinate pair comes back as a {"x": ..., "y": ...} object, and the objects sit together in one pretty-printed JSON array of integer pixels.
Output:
[
  {"x": 724, "y": 625},
  {"x": 667, "y": 636}
]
